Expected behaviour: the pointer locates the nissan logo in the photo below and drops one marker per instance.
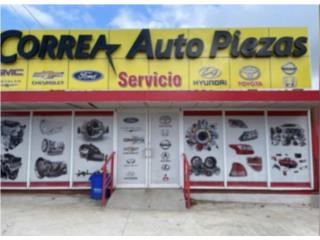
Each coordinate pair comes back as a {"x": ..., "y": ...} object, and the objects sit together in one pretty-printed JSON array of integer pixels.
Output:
[
  {"x": 209, "y": 72},
  {"x": 289, "y": 68},
  {"x": 249, "y": 73}
]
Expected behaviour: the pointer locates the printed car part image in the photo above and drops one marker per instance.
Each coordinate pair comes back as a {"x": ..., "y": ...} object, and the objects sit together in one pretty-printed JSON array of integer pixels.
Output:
[
  {"x": 91, "y": 153},
  {"x": 288, "y": 163},
  {"x": 288, "y": 134},
  {"x": 255, "y": 163},
  {"x": 10, "y": 166},
  {"x": 93, "y": 130},
  {"x": 202, "y": 135},
  {"x": 46, "y": 168},
  {"x": 207, "y": 168},
  {"x": 134, "y": 140},
  {"x": 11, "y": 134},
  {"x": 83, "y": 173},
  {"x": 242, "y": 149},
  {"x": 248, "y": 135},
  {"x": 238, "y": 170},
  {"x": 196, "y": 165},
  {"x": 237, "y": 123},
  {"x": 52, "y": 147},
  {"x": 49, "y": 127}
]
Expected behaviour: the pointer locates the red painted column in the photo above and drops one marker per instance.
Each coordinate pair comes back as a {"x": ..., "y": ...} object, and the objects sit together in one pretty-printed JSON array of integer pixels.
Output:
[{"x": 315, "y": 129}]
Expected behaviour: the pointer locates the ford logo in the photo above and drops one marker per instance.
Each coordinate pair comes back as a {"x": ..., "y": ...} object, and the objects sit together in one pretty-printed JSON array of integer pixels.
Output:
[
  {"x": 249, "y": 73},
  {"x": 289, "y": 68},
  {"x": 209, "y": 72},
  {"x": 131, "y": 120},
  {"x": 87, "y": 76}
]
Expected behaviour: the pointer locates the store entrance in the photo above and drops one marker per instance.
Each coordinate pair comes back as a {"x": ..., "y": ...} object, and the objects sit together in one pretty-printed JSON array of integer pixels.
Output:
[{"x": 148, "y": 149}]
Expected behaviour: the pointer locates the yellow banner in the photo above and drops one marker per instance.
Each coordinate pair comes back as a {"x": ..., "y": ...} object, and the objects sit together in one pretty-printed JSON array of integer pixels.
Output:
[{"x": 155, "y": 59}]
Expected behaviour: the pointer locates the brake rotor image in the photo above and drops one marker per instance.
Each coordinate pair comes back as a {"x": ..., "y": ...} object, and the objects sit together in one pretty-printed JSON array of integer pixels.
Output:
[
  {"x": 207, "y": 168},
  {"x": 46, "y": 168},
  {"x": 93, "y": 129},
  {"x": 202, "y": 135},
  {"x": 196, "y": 165}
]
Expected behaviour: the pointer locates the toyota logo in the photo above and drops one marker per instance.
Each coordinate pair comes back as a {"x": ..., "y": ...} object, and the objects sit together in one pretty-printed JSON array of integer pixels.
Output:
[
  {"x": 209, "y": 72},
  {"x": 249, "y": 73}
]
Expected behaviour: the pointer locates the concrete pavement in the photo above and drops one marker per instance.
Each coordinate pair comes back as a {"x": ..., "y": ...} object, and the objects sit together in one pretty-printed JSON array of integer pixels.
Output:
[{"x": 77, "y": 214}]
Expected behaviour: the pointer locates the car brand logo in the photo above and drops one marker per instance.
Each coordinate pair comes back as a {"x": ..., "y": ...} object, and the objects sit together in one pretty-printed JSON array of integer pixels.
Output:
[
  {"x": 290, "y": 81},
  {"x": 289, "y": 68},
  {"x": 12, "y": 72},
  {"x": 48, "y": 74},
  {"x": 165, "y": 167},
  {"x": 130, "y": 174},
  {"x": 131, "y": 161},
  {"x": 165, "y": 178},
  {"x": 131, "y": 120},
  {"x": 88, "y": 76},
  {"x": 165, "y": 156},
  {"x": 165, "y": 144},
  {"x": 209, "y": 72},
  {"x": 249, "y": 73},
  {"x": 164, "y": 120}
]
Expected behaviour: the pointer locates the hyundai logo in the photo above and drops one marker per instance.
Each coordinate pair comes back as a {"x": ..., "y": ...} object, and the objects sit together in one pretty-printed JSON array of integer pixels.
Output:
[
  {"x": 209, "y": 72},
  {"x": 249, "y": 73},
  {"x": 88, "y": 76}
]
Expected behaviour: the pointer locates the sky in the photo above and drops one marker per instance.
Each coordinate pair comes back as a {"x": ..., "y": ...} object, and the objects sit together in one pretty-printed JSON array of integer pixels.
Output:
[{"x": 166, "y": 16}]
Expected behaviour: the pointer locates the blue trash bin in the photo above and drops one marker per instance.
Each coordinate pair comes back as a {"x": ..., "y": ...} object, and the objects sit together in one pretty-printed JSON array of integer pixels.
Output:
[{"x": 96, "y": 185}]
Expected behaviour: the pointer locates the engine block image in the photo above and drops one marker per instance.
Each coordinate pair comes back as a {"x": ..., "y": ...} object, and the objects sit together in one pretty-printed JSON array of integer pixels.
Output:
[
  {"x": 202, "y": 135},
  {"x": 93, "y": 130},
  {"x": 46, "y": 168},
  {"x": 11, "y": 134},
  {"x": 52, "y": 147},
  {"x": 91, "y": 152},
  {"x": 288, "y": 134},
  {"x": 10, "y": 166}
]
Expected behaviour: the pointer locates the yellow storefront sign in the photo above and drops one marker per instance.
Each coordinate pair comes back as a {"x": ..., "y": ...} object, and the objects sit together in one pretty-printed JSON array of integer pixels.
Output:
[{"x": 155, "y": 60}]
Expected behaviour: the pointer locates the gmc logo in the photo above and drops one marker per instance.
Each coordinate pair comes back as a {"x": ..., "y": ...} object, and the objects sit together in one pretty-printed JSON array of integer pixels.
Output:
[{"x": 12, "y": 72}]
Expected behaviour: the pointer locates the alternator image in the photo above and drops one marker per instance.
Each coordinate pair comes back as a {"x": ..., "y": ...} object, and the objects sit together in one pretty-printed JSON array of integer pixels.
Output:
[
  {"x": 52, "y": 147},
  {"x": 50, "y": 169},
  {"x": 93, "y": 130},
  {"x": 10, "y": 166},
  {"x": 11, "y": 133}
]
